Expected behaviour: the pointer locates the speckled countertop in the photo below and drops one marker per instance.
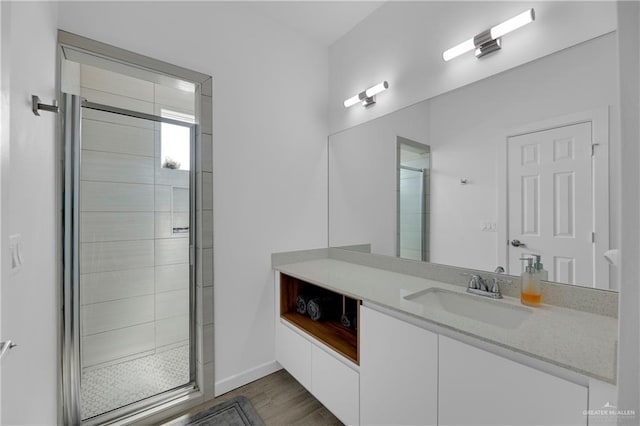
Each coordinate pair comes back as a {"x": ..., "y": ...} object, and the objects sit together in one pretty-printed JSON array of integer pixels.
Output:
[{"x": 576, "y": 340}]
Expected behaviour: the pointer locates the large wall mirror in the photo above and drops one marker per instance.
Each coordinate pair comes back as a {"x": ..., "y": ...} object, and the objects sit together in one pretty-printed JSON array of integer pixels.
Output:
[{"x": 523, "y": 162}]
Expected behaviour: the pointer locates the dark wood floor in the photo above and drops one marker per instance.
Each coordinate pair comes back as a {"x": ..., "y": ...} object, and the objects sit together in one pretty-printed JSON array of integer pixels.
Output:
[{"x": 280, "y": 400}]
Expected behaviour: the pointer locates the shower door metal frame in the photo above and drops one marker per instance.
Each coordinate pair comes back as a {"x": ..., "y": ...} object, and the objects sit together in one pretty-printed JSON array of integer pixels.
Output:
[{"x": 71, "y": 368}]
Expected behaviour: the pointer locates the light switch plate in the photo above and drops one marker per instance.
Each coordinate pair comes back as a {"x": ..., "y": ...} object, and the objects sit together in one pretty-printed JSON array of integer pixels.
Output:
[
  {"x": 489, "y": 227},
  {"x": 16, "y": 258}
]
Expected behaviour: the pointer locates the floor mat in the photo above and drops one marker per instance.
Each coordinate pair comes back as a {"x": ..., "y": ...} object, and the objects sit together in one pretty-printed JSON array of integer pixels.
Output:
[{"x": 235, "y": 412}]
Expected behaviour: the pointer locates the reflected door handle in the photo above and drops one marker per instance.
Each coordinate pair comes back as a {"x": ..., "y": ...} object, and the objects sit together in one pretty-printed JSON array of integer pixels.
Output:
[
  {"x": 517, "y": 243},
  {"x": 5, "y": 346}
]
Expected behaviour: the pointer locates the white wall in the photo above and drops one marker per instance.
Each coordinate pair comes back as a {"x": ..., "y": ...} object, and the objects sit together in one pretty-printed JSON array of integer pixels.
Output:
[
  {"x": 269, "y": 149},
  {"x": 402, "y": 42},
  {"x": 629, "y": 331},
  {"x": 29, "y": 298},
  {"x": 464, "y": 129},
  {"x": 4, "y": 142}
]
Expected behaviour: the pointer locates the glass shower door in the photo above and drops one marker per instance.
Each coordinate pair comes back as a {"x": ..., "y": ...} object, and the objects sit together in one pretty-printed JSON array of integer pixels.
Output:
[{"x": 130, "y": 218}]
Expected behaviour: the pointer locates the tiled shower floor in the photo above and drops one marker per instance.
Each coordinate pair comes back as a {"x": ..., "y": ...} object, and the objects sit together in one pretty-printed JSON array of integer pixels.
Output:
[{"x": 107, "y": 388}]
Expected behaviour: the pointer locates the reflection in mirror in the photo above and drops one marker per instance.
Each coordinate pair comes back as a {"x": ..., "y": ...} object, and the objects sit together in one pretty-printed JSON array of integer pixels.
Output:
[
  {"x": 413, "y": 200},
  {"x": 516, "y": 164}
]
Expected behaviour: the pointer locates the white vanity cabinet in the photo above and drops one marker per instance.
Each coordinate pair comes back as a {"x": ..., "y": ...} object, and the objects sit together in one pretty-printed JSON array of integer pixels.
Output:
[
  {"x": 398, "y": 371},
  {"x": 479, "y": 388},
  {"x": 335, "y": 385},
  {"x": 322, "y": 356},
  {"x": 293, "y": 352},
  {"x": 321, "y": 371}
]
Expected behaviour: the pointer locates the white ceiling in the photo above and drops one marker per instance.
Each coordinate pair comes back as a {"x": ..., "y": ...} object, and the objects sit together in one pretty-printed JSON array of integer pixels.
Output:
[{"x": 322, "y": 21}]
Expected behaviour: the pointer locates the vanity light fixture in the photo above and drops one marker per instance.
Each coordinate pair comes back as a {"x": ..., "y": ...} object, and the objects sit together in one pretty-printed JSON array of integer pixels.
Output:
[
  {"x": 367, "y": 97},
  {"x": 490, "y": 40}
]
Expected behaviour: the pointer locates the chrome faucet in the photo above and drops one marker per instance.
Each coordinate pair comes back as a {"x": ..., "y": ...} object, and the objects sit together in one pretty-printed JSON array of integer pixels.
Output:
[
  {"x": 478, "y": 285},
  {"x": 476, "y": 282}
]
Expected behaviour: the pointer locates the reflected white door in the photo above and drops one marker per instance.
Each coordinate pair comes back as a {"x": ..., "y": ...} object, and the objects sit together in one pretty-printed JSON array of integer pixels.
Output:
[{"x": 551, "y": 201}]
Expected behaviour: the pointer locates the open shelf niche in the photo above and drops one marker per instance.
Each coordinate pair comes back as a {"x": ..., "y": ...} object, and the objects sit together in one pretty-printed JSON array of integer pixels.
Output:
[{"x": 331, "y": 332}]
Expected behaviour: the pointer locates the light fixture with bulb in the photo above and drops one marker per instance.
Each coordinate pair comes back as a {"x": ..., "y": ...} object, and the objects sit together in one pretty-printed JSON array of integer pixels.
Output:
[
  {"x": 490, "y": 40},
  {"x": 367, "y": 97}
]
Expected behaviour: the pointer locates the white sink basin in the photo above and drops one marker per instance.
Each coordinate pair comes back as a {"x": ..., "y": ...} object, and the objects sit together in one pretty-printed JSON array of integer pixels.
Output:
[{"x": 494, "y": 312}]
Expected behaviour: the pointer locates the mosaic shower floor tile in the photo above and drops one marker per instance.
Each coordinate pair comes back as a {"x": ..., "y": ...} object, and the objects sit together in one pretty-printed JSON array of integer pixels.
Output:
[{"x": 110, "y": 387}]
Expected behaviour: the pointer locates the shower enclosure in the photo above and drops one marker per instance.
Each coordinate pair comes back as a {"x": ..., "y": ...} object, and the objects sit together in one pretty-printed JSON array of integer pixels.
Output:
[
  {"x": 130, "y": 272},
  {"x": 137, "y": 234}
]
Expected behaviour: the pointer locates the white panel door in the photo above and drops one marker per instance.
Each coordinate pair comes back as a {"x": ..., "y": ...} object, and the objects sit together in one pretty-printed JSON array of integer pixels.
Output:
[
  {"x": 479, "y": 388},
  {"x": 551, "y": 201},
  {"x": 398, "y": 372}
]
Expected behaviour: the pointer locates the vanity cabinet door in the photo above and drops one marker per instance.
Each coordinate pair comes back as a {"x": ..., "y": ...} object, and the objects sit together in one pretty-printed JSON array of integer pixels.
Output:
[
  {"x": 335, "y": 385},
  {"x": 293, "y": 352},
  {"x": 398, "y": 371},
  {"x": 480, "y": 388}
]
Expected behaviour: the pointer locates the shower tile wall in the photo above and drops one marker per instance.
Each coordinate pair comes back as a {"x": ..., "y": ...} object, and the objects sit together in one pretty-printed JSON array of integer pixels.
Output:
[
  {"x": 204, "y": 243},
  {"x": 135, "y": 272},
  {"x": 411, "y": 200},
  {"x": 411, "y": 214}
]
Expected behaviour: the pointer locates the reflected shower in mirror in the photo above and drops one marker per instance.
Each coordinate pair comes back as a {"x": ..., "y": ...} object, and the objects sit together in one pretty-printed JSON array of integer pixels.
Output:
[
  {"x": 515, "y": 164},
  {"x": 413, "y": 200}
]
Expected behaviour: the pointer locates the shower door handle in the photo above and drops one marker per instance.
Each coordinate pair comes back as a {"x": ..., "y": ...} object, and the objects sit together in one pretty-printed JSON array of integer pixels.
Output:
[{"x": 5, "y": 346}]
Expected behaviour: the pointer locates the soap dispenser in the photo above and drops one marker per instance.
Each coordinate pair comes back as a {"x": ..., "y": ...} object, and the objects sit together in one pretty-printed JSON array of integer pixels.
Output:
[
  {"x": 530, "y": 292},
  {"x": 542, "y": 273}
]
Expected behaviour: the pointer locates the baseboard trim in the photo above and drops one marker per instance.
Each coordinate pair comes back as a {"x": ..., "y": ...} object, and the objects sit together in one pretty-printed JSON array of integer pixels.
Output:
[{"x": 241, "y": 379}]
